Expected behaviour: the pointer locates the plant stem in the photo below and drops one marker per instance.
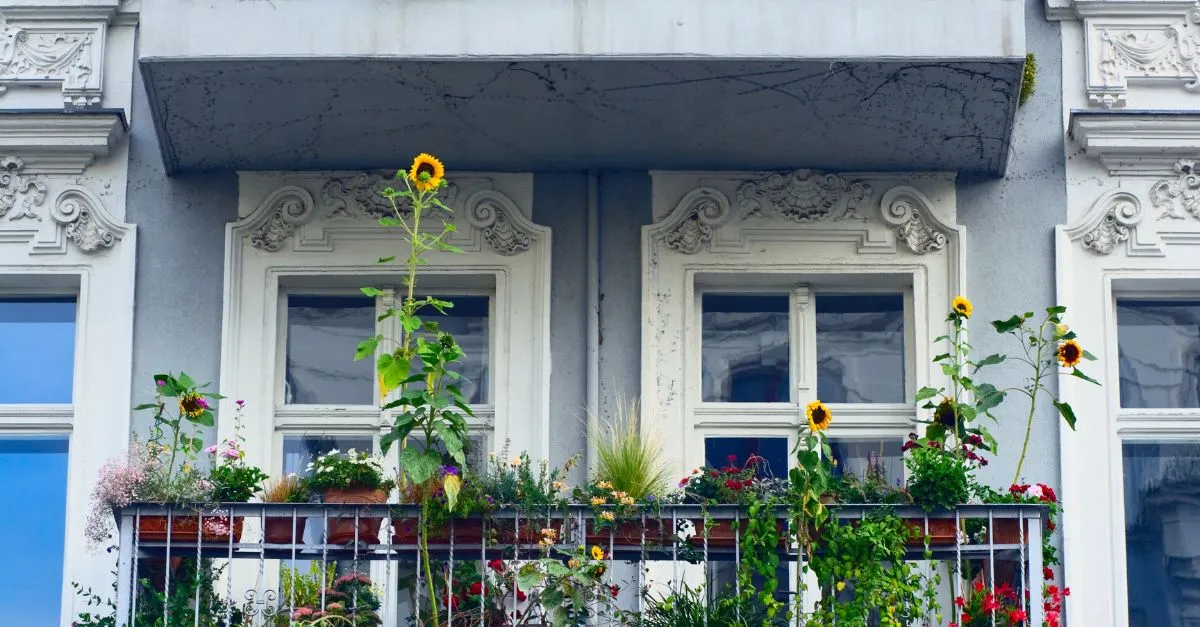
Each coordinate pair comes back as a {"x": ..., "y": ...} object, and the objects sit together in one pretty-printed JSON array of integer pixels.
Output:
[
  {"x": 433, "y": 602},
  {"x": 1037, "y": 385}
]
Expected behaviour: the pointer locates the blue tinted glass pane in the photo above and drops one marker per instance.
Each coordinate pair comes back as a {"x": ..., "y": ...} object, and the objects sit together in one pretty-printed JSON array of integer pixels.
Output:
[
  {"x": 856, "y": 456},
  {"x": 1162, "y": 531},
  {"x": 37, "y": 350},
  {"x": 860, "y": 348},
  {"x": 467, "y": 321},
  {"x": 33, "y": 471},
  {"x": 323, "y": 333},
  {"x": 1159, "y": 353},
  {"x": 721, "y": 452},
  {"x": 745, "y": 351},
  {"x": 299, "y": 450}
]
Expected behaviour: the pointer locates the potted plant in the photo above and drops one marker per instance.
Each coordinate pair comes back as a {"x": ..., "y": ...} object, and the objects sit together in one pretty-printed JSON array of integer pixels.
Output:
[
  {"x": 351, "y": 600},
  {"x": 536, "y": 491},
  {"x": 352, "y": 477},
  {"x": 630, "y": 479},
  {"x": 285, "y": 529},
  {"x": 463, "y": 519}
]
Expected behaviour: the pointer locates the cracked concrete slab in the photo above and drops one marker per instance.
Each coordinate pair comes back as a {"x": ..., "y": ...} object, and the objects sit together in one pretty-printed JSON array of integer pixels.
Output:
[{"x": 571, "y": 115}]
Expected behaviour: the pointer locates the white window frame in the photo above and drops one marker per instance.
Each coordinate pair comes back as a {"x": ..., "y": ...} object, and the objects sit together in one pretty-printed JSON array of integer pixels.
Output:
[
  {"x": 895, "y": 232},
  {"x": 316, "y": 228},
  {"x": 1115, "y": 247},
  {"x": 50, "y": 255}
]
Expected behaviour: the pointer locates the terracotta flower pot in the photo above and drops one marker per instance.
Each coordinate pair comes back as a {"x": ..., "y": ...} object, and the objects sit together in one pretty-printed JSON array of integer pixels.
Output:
[
  {"x": 466, "y": 531},
  {"x": 530, "y": 531},
  {"x": 1007, "y": 531},
  {"x": 278, "y": 530},
  {"x": 341, "y": 528},
  {"x": 629, "y": 533},
  {"x": 942, "y": 531},
  {"x": 722, "y": 534},
  {"x": 184, "y": 528}
]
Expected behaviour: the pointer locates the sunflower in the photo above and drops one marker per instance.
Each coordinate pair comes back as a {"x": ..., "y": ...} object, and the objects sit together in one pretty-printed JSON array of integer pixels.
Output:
[
  {"x": 597, "y": 553},
  {"x": 426, "y": 172},
  {"x": 961, "y": 306},
  {"x": 1070, "y": 354},
  {"x": 944, "y": 413},
  {"x": 192, "y": 405},
  {"x": 818, "y": 416}
]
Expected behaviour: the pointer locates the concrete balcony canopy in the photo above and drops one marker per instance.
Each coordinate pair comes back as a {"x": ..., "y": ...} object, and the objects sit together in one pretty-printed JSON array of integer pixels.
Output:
[{"x": 571, "y": 84}]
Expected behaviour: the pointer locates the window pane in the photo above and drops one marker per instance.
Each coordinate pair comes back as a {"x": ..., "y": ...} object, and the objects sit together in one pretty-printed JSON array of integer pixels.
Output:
[
  {"x": 34, "y": 473},
  {"x": 856, "y": 456},
  {"x": 1159, "y": 353},
  {"x": 467, "y": 321},
  {"x": 322, "y": 333},
  {"x": 1162, "y": 531},
  {"x": 745, "y": 350},
  {"x": 37, "y": 350},
  {"x": 860, "y": 348},
  {"x": 299, "y": 450},
  {"x": 720, "y": 452}
]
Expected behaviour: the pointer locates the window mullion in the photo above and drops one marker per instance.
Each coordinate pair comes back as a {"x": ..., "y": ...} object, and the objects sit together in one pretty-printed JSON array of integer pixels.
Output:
[{"x": 803, "y": 329}]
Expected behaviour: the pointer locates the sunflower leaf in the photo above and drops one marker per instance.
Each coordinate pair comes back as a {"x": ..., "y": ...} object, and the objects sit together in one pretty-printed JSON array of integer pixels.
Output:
[{"x": 1068, "y": 414}]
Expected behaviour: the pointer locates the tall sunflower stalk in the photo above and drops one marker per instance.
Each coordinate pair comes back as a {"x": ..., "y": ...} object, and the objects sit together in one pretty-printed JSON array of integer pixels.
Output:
[
  {"x": 418, "y": 364},
  {"x": 1047, "y": 346},
  {"x": 811, "y": 478}
]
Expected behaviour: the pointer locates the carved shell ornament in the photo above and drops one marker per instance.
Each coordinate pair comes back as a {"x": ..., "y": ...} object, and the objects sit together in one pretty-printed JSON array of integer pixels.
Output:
[{"x": 803, "y": 196}]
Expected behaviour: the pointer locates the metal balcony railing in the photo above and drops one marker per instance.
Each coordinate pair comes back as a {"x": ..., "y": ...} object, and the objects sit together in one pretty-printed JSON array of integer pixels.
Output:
[{"x": 251, "y": 541}]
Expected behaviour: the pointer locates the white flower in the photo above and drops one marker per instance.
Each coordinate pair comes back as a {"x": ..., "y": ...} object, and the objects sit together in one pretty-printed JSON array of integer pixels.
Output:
[
  {"x": 1035, "y": 491},
  {"x": 351, "y": 453},
  {"x": 333, "y": 452}
]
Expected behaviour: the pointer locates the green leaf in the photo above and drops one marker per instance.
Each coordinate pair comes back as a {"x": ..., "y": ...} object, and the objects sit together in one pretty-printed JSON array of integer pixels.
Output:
[
  {"x": 1005, "y": 326},
  {"x": 1067, "y": 413},
  {"x": 942, "y": 356},
  {"x": 205, "y": 419},
  {"x": 371, "y": 291},
  {"x": 452, "y": 485},
  {"x": 987, "y": 397},
  {"x": 1088, "y": 356},
  {"x": 529, "y": 577},
  {"x": 197, "y": 444},
  {"x": 145, "y": 406},
  {"x": 1077, "y": 373},
  {"x": 990, "y": 360},
  {"x": 410, "y": 323},
  {"x": 419, "y": 465},
  {"x": 367, "y": 347},
  {"x": 1056, "y": 310},
  {"x": 387, "y": 440},
  {"x": 387, "y": 259}
]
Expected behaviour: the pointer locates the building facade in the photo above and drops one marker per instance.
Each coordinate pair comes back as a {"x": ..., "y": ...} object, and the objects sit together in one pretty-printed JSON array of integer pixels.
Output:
[{"x": 723, "y": 213}]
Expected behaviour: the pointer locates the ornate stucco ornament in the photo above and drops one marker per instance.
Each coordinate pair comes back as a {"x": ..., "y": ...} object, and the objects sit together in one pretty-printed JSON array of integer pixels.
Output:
[{"x": 803, "y": 196}]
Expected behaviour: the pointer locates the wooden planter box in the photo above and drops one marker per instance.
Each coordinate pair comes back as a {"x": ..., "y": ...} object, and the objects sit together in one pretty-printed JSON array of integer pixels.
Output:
[
  {"x": 629, "y": 533},
  {"x": 341, "y": 528},
  {"x": 1007, "y": 530},
  {"x": 277, "y": 530},
  {"x": 466, "y": 531},
  {"x": 942, "y": 531},
  {"x": 184, "y": 528},
  {"x": 722, "y": 534}
]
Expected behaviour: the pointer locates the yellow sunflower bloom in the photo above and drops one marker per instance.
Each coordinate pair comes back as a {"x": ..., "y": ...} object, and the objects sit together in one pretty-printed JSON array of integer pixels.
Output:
[
  {"x": 962, "y": 306},
  {"x": 597, "y": 553},
  {"x": 818, "y": 416},
  {"x": 426, "y": 172},
  {"x": 192, "y": 405},
  {"x": 1070, "y": 354}
]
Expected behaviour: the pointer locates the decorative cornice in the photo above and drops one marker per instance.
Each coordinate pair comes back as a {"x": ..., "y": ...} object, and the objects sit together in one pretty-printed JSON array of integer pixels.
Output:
[
  {"x": 1181, "y": 191},
  {"x": 355, "y": 195},
  {"x": 803, "y": 196},
  {"x": 84, "y": 225},
  {"x": 1147, "y": 143},
  {"x": 1081, "y": 9},
  {"x": 60, "y": 143},
  {"x": 1115, "y": 221},
  {"x": 500, "y": 221},
  {"x": 689, "y": 228},
  {"x": 286, "y": 209},
  {"x": 907, "y": 208}
]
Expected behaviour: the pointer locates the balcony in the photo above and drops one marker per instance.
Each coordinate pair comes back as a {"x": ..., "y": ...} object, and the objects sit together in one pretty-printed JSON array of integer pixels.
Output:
[
  {"x": 564, "y": 85},
  {"x": 161, "y": 555}
]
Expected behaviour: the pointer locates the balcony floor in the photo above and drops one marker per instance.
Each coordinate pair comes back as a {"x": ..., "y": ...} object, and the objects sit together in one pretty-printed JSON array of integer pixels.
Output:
[{"x": 705, "y": 114}]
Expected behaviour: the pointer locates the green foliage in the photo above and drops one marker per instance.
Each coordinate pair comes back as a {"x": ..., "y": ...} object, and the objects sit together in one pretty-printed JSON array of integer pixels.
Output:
[
  {"x": 868, "y": 581},
  {"x": 349, "y": 470},
  {"x": 299, "y": 589},
  {"x": 631, "y": 460},
  {"x": 688, "y": 607},
  {"x": 535, "y": 488},
  {"x": 1028, "y": 78},
  {"x": 567, "y": 589},
  {"x": 937, "y": 478},
  {"x": 187, "y": 584},
  {"x": 872, "y": 488},
  {"x": 174, "y": 442},
  {"x": 760, "y": 559}
]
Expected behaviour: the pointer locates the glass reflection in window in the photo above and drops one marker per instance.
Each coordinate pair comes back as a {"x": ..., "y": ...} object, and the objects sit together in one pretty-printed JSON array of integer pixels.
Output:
[
  {"x": 745, "y": 349},
  {"x": 322, "y": 335},
  {"x": 37, "y": 349},
  {"x": 467, "y": 321},
  {"x": 1159, "y": 353},
  {"x": 33, "y": 471},
  {"x": 1162, "y": 532},
  {"x": 860, "y": 348}
]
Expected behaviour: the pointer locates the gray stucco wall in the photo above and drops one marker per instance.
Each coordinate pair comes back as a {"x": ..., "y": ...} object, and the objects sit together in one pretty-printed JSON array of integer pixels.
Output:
[
  {"x": 180, "y": 262},
  {"x": 1010, "y": 250}
]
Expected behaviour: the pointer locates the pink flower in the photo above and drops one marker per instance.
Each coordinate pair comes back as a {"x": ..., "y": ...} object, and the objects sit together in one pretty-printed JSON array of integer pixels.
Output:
[
  {"x": 240, "y": 404},
  {"x": 1035, "y": 491},
  {"x": 211, "y": 449},
  {"x": 231, "y": 453}
]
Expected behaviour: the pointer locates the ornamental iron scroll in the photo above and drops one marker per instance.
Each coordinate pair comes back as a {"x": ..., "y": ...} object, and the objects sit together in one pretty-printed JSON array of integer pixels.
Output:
[
  {"x": 909, "y": 209},
  {"x": 803, "y": 196},
  {"x": 287, "y": 209}
]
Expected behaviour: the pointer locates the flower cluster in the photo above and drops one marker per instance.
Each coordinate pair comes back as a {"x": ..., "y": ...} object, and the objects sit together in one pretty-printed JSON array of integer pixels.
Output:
[
  {"x": 119, "y": 484},
  {"x": 351, "y": 598},
  {"x": 1052, "y": 606},
  {"x": 987, "y": 608},
  {"x": 731, "y": 483},
  {"x": 350, "y": 470}
]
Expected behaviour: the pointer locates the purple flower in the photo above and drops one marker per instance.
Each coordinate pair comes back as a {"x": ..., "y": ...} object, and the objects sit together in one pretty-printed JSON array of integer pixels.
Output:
[
  {"x": 449, "y": 470},
  {"x": 202, "y": 403},
  {"x": 240, "y": 403},
  {"x": 160, "y": 382}
]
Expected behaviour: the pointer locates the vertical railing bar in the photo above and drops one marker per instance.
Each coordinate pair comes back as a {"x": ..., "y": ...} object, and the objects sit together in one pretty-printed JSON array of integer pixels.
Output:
[
  {"x": 167, "y": 583},
  {"x": 324, "y": 549},
  {"x": 737, "y": 556},
  {"x": 991, "y": 536},
  {"x": 292, "y": 587},
  {"x": 450, "y": 578},
  {"x": 483, "y": 563},
  {"x": 125, "y": 562},
  {"x": 957, "y": 583},
  {"x": 357, "y": 524},
  {"x": 262, "y": 557},
  {"x": 199, "y": 543},
  {"x": 420, "y": 578},
  {"x": 1035, "y": 568},
  {"x": 1021, "y": 540},
  {"x": 516, "y": 557},
  {"x": 675, "y": 547},
  {"x": 137, "y": 538},
  {"x": 228, "y": 577}
]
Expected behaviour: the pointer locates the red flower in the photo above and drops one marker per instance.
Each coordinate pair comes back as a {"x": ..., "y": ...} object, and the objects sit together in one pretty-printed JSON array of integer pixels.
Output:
[
  {"x": 966, "y": 618},
  {"x": 520, "y": 595},
  {"x": 476, "y": 588},
  {"x": 496, "y": 565},
  {"x": 713, "y": 473},
  {"x": 753, "y": 460},
  {"x": 1005, "y": 590},
  {"x": 935, "y": 444},
  {"x": 909, "y": 445},
  {"x": 733, "y": 484},
  {"x": 990, "y": 604},
  {"x": 1048, "y": 494},
  {"x": 731, "y": 459},
  {"x": 1047, "y": 574},
  {"x": 683, "y": 482},
  {"x": 1051, "y": 526},
  {"x": 452, "y": 600},
  {"x": 1017, "y": 616},
  {"x": 1018, "y": 489},
  {"x": 959, "y": 601},
  {"x": 747, "y": 483},
  {"x": 614, "y": 590},
  {"x": 978, "y": 587}
]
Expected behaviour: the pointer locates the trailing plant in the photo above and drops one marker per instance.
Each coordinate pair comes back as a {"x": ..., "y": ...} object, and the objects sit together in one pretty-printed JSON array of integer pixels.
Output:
[
  {"x": 1028, "y": 78},
  {"x": 350, "y": 470},
  {"x": 193, "y": 599},
  {"x": 1036, "y": 494},
  {"x": 234, "y": 481},
  {"x": 868, "y": 581},
  {"x": 759, "y": 563},
  {"x": 1049, "y": 346},
  {"x": 629, "y": 458},
  {"x": 938, "y": 478}
]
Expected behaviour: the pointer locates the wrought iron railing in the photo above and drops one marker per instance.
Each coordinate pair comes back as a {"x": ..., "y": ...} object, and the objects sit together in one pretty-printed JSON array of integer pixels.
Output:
[{"x": 251, "y": 541}]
